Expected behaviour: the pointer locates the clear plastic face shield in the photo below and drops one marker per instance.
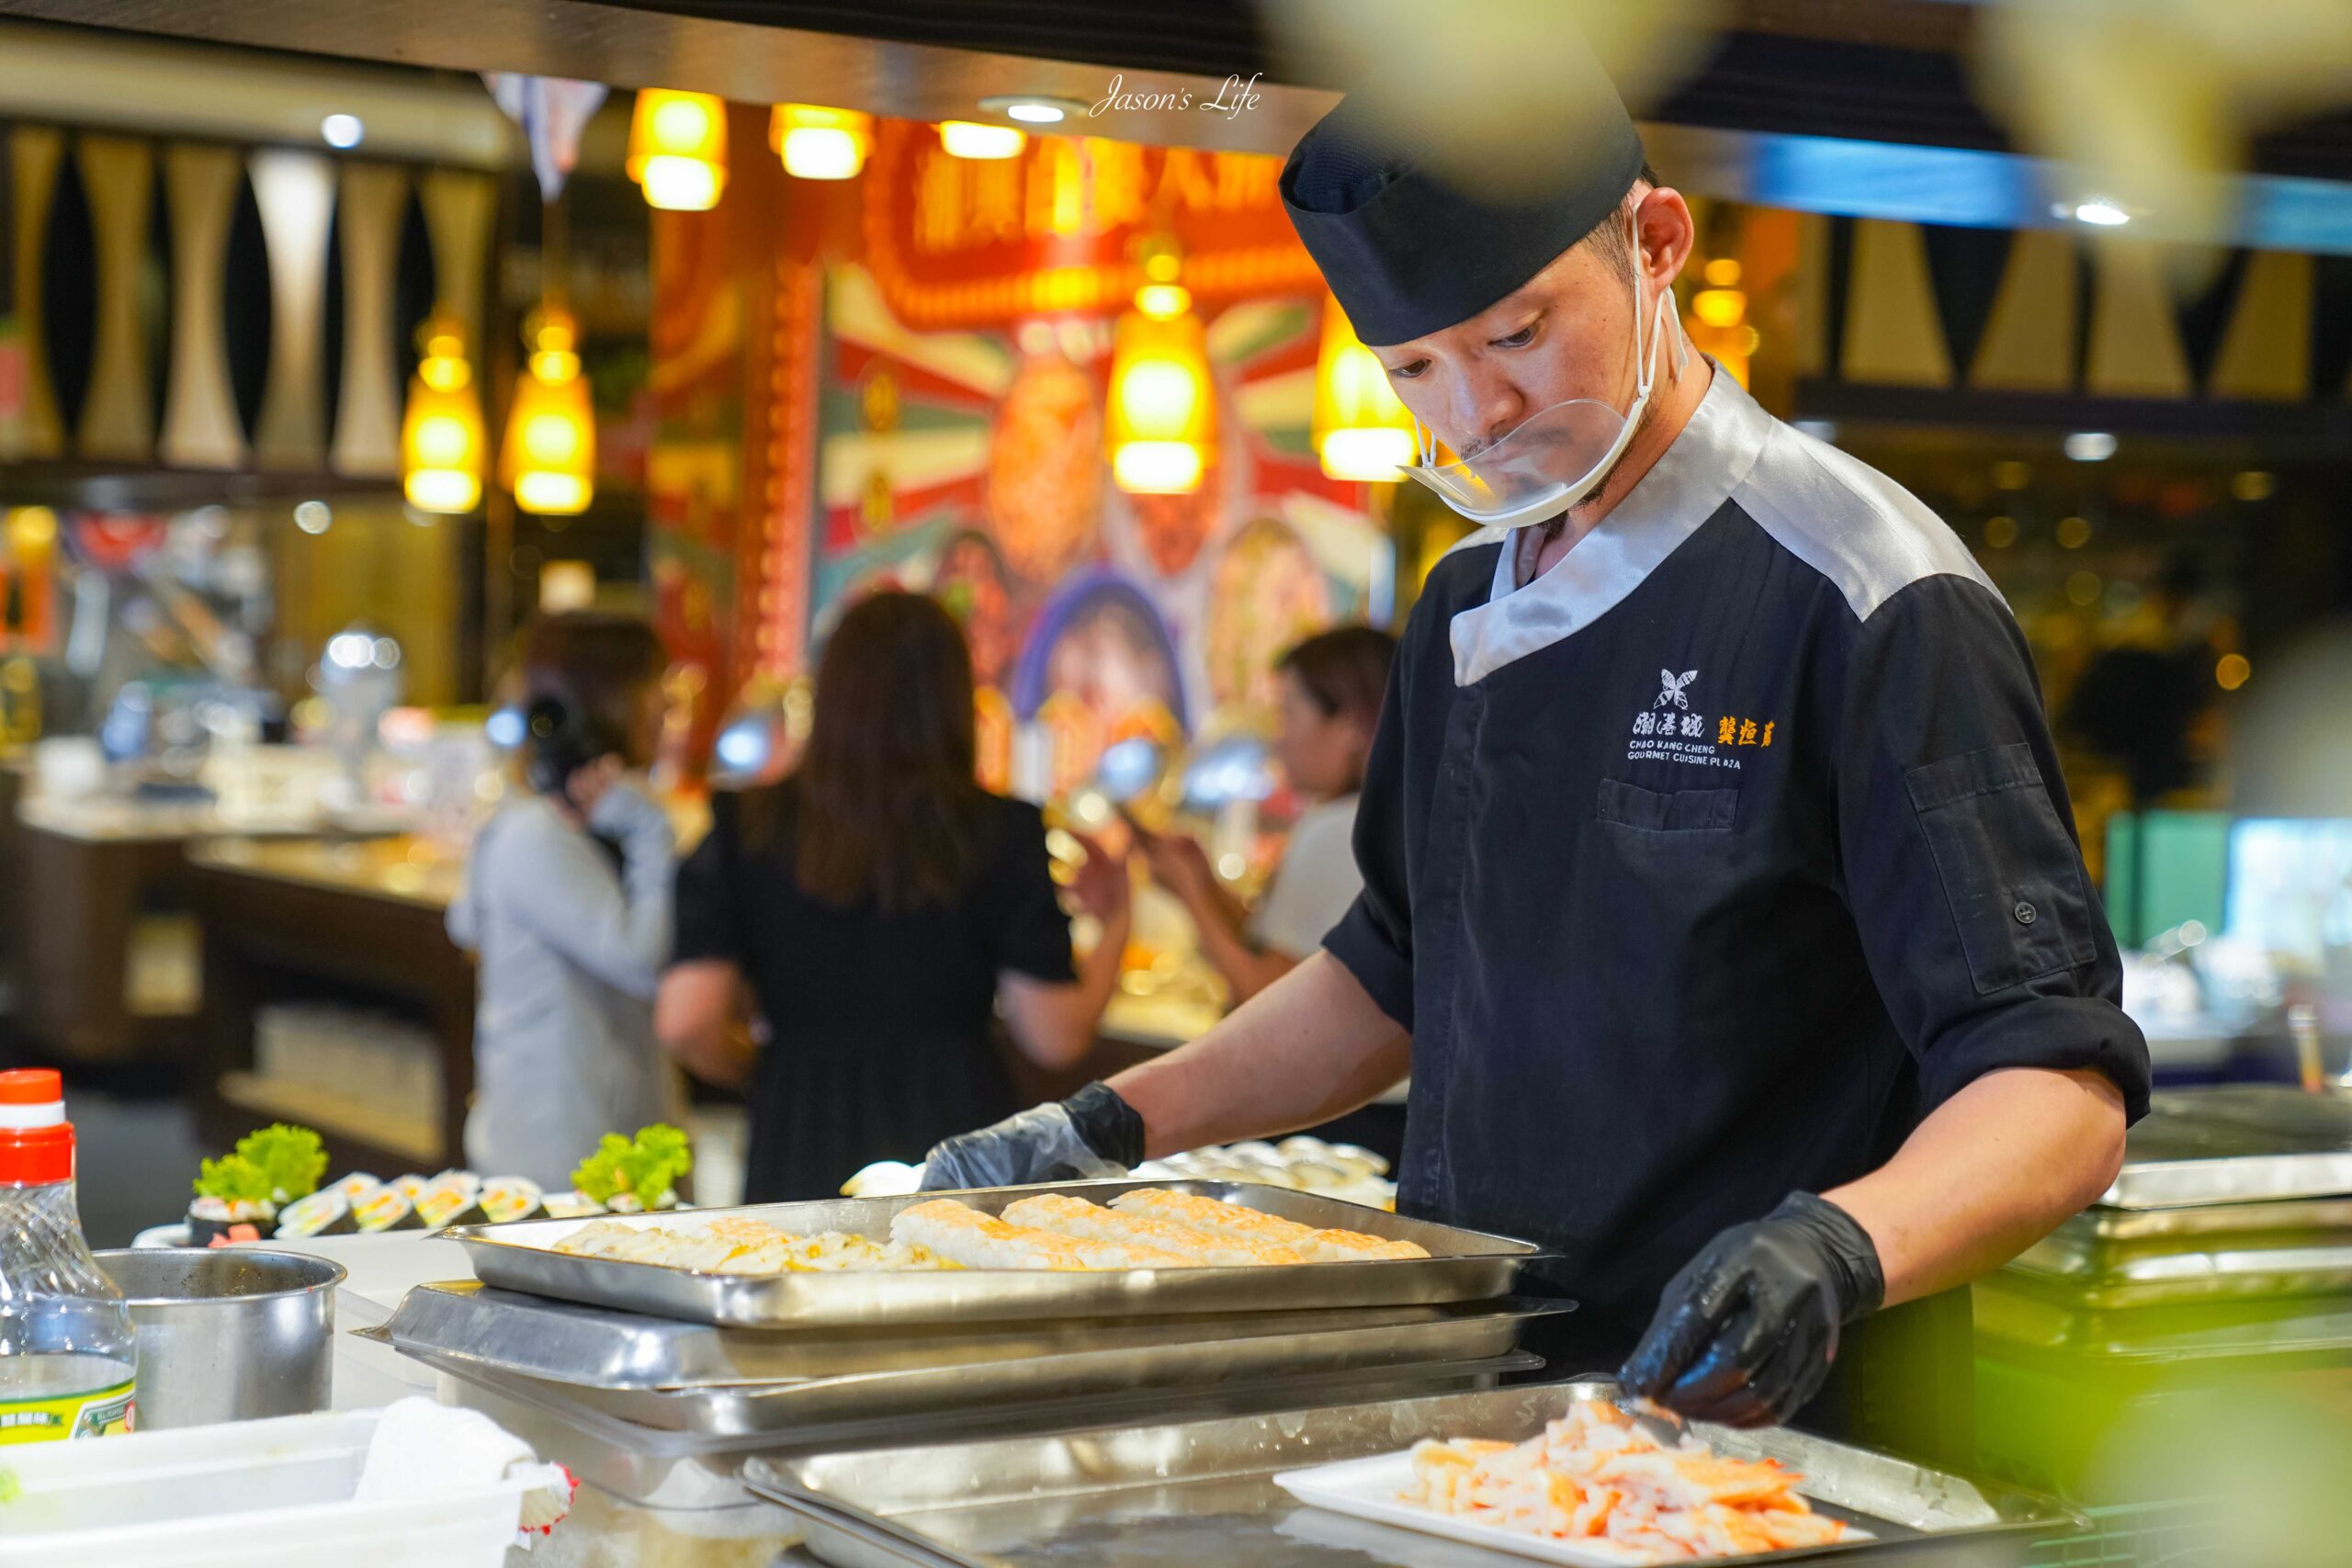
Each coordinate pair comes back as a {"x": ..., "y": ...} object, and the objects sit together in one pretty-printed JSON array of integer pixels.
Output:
[{"x": 1555, "y": 457}]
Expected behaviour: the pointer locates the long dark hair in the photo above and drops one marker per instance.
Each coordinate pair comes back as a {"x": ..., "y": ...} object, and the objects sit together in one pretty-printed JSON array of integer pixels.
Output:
[{"x": 889, "y": 810}]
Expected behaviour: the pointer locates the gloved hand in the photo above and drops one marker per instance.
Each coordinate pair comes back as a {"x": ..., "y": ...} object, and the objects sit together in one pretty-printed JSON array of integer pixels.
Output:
[
  {"x": 1744, "y": 1334},
  {"x": 1091, "y": 1133}
]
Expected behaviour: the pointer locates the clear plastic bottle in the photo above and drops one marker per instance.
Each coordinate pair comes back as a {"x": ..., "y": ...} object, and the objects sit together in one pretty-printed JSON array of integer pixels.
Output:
[{"x": 69, "y": 1357}]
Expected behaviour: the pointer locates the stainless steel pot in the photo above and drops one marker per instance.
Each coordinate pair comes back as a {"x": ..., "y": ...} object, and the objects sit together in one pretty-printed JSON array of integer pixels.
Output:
[{"x": 228, "y": 1334}]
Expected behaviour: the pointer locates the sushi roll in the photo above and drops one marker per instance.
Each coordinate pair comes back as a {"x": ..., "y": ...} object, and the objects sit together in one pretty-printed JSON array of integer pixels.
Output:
[
  {"x": 448, "y": 1200},
  {"x": 570, "y": 1206},
  {"x": 505, "y": 1199},
  {"x": 355, "y": 1186},
  {"x": 386, "y": 1208},
  {"x": 411, "y": 1185},
  {"x": 326, "y": 1212},
  {"x": 215, "y": 1221},
  {"x": 465, "y": 1178}
]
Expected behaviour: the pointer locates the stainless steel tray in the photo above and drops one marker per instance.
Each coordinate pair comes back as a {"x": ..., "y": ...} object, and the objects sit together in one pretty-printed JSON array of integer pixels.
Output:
[
  {"x": 2317, "y": 1218},
  {"x": 1133, "y": 1362},
  {"x": 2096, "y": 1274},
  {"x": 601, "y": 1348},
  {"x": 1201, "y": 1492},
  {"x": 1463, "y": 1266},
  {"x": 2200, "y": 1337},
  {"x": 561, "y": 1424},
  {"x": 2235, "y": 1143}
]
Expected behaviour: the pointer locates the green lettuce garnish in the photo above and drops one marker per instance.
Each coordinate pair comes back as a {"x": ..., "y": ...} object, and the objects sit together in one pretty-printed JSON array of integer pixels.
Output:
[
  {"x": 292, "y": 1157},
  {"x": 233, "y": 1179},
  {"x": 647, "y": 1167}
]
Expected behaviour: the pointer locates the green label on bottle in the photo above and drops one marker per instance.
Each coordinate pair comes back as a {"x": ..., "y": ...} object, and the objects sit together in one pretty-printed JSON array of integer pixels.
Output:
[{"x": 101, "y": 1413}]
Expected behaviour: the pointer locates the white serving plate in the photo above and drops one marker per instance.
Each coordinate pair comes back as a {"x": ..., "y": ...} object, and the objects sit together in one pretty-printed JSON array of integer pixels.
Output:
[{"x": 1369, "y": 1489}]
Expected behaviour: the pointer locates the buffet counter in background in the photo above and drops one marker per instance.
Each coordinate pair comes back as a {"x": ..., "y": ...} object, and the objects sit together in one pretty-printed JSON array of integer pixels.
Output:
[{"x": 334, "y": 997}]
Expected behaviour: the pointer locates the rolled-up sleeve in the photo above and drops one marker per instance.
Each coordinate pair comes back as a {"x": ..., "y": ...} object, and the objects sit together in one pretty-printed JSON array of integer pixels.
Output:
[
  {"x": 1958, "y": 854},
  {"x": 1374, "y": 937}
]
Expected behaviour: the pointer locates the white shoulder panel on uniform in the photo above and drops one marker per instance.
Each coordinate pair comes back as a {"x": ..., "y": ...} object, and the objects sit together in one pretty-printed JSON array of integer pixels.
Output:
[
  {"x": 1476, "y": 537},
  {"x": 1848, "y": 522}
]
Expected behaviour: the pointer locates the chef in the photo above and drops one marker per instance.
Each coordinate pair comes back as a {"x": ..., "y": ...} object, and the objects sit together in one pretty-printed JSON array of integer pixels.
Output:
[{"x": 1721, "y": 893}]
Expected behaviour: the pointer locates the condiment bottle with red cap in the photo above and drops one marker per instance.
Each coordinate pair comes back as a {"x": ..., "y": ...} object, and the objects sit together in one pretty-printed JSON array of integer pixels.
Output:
[{"x": 68, "y": 1353}]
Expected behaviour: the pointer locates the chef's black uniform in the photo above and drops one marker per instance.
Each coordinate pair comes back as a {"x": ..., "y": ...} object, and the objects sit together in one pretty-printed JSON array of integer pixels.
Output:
[{"x": 1705, "y": 865}]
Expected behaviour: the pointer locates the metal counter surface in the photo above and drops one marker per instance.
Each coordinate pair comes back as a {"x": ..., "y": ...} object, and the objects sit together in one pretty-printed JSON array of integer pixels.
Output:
[{"x": 1203, "y": 1491}]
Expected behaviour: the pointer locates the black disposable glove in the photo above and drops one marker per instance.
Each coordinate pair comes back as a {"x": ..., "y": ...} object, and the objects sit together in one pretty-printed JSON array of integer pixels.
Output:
[
  {"x": 1091, "y": 1133},
  {"x": 1744, "y": 1334}
]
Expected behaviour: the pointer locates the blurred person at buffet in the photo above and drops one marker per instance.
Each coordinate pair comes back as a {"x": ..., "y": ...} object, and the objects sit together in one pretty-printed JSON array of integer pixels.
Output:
[
  {"x": 567, "y": 902},
  {"x": 879, "y": 904},
  {"x": 1721, "y": 893},
  {"x": 1329, "y": 691}
]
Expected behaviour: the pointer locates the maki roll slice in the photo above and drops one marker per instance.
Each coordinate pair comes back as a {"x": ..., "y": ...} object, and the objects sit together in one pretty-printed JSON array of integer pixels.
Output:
[
  {"x": 216, "y": 1222},
  {"x": 411, "y": 1185},
  {"x": 324, "y": 1212},
  {"x": 505, "y": 1199},
  {"x": 386, "y": 1208},
  {"x": 448, "y": 1200},
  {"x": 355, "y": 1186}
]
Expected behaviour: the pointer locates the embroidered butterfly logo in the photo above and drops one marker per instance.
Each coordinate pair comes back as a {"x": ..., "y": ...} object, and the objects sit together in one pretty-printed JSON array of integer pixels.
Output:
[{"x": 1672, "y": 688}]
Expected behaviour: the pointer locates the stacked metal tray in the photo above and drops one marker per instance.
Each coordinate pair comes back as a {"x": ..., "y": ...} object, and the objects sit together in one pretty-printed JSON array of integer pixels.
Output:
[
  {"x": 1463, "y": 1266},
  {"x": 2226, "y": 1243},
  {"x": 1202, "y": 1492},
  {"x": 2230, "y": 1194},
  {"x": 716, "y": 1382},
  {"x": 2235, "y": 1143},
  {"x": 765, "y": 1360}
]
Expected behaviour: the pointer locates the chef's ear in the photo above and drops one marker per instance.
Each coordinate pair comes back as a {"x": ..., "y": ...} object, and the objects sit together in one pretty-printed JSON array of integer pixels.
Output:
[{"x": 1665, "y": 232}]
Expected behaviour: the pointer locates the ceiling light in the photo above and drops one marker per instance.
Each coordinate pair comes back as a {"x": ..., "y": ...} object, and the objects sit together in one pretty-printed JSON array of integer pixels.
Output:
[
  {"x": 2090, "y": 447},
  {"x": 677, "y": 149},
  {"x": 821, "y": 144},
  {"x": 343, "y": 130},
  {"x": 1033, "y": 108},
  {"x": 969, "y": 139},
  {"x": 2098, "y": 211}
]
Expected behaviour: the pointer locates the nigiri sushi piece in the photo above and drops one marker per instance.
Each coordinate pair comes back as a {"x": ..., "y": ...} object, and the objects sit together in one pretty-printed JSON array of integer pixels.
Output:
[
  {"x": 1066, "y": 1215},
  {"x": 961, "y": 1233},
  {"x": 1235, "y": 1222}
]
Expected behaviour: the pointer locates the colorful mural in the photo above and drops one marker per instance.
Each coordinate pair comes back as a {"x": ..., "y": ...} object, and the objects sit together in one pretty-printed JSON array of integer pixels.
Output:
[
  {"x": 972, "y": 465},
  {"x": 904, "y": 383}
]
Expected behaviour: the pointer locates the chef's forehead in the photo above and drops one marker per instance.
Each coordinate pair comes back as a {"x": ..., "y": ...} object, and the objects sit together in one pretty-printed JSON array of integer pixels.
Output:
[{"x": 1412, "y": 243}]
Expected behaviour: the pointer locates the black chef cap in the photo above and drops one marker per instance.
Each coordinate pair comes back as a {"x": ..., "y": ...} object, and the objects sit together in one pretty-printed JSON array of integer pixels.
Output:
[{"x": 1409, "y": 250}]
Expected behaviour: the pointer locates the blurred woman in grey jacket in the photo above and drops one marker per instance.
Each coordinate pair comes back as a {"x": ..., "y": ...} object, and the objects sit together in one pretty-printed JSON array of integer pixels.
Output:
[{"x": 567, "y": 901}]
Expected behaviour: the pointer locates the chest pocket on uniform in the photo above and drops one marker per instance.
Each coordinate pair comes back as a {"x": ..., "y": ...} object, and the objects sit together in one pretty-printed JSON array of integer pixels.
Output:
[
  {"x": 2010, "y": 874},
  {"x": 1681, "y": 811}
]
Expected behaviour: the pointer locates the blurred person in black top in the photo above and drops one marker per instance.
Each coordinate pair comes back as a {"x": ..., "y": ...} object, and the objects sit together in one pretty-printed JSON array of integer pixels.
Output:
[{"x": 880, "y": 904}]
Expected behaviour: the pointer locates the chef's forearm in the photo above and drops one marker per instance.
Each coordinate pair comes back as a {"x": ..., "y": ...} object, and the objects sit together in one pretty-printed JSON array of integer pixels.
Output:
[
  {"x": 1992, "y": 1172},
  {"x": 1311, "y": 1046}
]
